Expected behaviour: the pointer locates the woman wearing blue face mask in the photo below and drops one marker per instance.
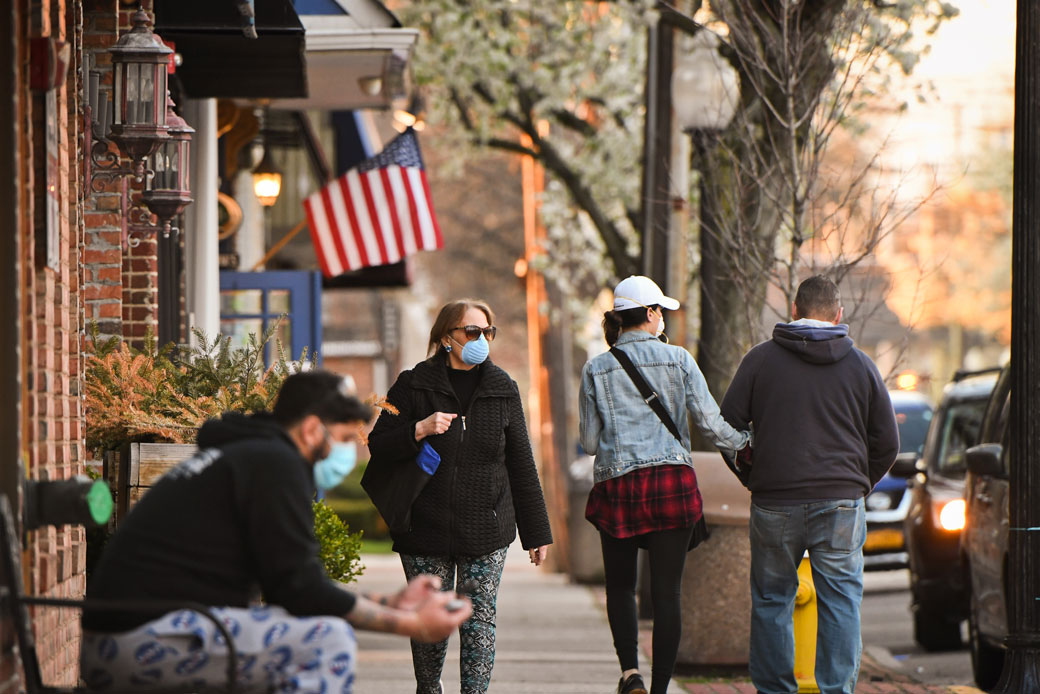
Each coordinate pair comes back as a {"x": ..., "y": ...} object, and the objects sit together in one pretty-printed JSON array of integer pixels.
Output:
[{"x": 483, "y": 491}]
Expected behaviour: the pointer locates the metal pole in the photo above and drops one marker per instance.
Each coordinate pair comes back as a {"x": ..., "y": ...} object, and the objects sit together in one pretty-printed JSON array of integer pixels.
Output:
[
  {"x": 657, "y": 138},
  {"x": 169, "y": 250},
  {"x": 1022, "y": 665},
  {"x": 10, "y": 255},
  {"x": 711, "y": 271}
]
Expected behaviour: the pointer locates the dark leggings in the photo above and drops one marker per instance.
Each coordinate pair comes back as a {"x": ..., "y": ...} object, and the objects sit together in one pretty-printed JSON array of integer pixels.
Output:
[{"x": 620, "y": 558}]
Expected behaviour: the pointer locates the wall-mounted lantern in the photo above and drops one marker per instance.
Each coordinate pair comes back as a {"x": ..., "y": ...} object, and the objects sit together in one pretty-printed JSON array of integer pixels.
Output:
[
  {"x": 141, "y": 121},
  {"x": 169, "y": 190},
  {"x": 139, "y": 62}
]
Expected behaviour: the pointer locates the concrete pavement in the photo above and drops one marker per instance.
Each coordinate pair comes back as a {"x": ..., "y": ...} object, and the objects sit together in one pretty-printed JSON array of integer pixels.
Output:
[{"x": 553, "y": 637}]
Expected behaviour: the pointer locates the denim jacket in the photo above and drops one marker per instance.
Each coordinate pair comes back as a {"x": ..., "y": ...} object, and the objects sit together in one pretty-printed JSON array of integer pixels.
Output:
[{"x": 621, "y": 430}]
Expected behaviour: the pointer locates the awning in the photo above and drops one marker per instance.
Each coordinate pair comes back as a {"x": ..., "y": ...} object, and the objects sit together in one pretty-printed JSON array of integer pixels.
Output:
[
  {"x": 357, "y": 53},
  {"x": 218, "y": 60}
]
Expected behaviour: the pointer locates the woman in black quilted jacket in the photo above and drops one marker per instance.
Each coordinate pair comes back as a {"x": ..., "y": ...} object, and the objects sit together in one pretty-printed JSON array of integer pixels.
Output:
[{"x": 485, "y": 486}]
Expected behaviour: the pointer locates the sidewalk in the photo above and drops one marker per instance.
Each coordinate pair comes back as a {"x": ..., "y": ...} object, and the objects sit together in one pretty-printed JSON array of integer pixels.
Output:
[{"x": 553, "y": 637}]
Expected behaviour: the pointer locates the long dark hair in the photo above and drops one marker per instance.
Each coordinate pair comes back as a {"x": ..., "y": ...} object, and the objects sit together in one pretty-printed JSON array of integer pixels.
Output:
[{"x": 615, "y": 321}]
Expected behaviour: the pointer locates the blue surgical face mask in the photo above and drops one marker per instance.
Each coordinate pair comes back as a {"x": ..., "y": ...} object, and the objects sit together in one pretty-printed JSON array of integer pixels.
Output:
[
  {"x": 334, "y": 468},
  {"x": 475, "y": 351}
]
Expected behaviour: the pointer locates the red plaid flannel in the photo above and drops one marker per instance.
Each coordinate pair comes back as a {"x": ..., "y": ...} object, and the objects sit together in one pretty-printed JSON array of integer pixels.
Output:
[{"x": 661, "y": 497}]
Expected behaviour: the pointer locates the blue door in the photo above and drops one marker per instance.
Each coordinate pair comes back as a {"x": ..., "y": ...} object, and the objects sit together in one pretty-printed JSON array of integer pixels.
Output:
[{"x": 253, "y": 302}]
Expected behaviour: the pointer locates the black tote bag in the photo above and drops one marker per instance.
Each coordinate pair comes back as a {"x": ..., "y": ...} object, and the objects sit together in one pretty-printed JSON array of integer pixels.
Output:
[{"x": 393, "y": 487}]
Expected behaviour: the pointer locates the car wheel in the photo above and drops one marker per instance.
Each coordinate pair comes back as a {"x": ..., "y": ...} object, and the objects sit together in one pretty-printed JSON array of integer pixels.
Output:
[
  {"x": 987, "y": 662},
  {"x": 935, "y": 632}
]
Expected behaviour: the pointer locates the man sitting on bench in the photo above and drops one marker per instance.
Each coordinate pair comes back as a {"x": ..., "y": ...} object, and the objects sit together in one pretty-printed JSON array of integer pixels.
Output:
[{"x": 233, "y": 525}]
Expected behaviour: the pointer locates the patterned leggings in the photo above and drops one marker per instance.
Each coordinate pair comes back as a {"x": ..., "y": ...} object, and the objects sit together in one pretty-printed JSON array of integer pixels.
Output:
[{"x": 477, "y": 633}]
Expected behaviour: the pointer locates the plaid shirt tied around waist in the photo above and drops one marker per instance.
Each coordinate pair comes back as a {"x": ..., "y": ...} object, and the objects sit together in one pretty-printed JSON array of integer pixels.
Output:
[{"x": 645, "y": 500}]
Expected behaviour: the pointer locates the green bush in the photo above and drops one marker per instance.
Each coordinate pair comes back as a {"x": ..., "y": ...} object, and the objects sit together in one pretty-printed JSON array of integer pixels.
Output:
[{"x": 340, "y": 549}]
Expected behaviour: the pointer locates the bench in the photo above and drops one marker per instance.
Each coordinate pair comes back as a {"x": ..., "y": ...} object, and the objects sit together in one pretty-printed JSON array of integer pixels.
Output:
[{"x": 14, "y": 605}]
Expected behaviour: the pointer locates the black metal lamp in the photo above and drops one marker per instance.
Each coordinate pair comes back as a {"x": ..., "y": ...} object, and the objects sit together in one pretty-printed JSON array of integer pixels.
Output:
[
  {"x": 169, "y": 190},
  {"x": 139, "y": 61}
]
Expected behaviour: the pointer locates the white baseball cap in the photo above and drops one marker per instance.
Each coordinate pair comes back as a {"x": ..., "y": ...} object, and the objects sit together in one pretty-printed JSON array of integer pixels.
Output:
[{"x": 636, "y": 290}]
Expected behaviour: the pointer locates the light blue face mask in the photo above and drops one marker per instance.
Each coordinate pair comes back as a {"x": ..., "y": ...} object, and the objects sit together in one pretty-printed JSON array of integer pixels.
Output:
[
  {"x": 475, "y": 351},
  {"x": 334, "y": 468}
]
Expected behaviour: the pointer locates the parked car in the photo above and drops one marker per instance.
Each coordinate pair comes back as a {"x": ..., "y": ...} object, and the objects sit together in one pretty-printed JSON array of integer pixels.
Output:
[
  {"x": 984, "y": 541},
  {"x": 888, "y": 503},
  {"x": 939, "y": 595}
]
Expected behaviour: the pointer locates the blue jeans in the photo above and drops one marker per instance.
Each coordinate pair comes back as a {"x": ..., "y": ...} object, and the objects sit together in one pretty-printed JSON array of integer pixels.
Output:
[{"x": 833, "y": 533}]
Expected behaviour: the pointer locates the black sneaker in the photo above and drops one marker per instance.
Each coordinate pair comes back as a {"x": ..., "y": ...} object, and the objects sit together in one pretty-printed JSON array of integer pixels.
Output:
[{"x": 632, "y": 685}]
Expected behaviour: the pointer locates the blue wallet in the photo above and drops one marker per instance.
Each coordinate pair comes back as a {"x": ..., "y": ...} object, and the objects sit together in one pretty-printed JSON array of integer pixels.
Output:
[{"x": 428, "y": 459}]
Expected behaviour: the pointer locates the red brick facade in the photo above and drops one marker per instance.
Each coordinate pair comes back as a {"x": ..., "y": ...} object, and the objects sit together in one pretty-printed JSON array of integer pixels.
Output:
[
  {"x": 74, "y": 270},
  {"x": 53, "y": 431},
  {"x": 119, "y": 285}
]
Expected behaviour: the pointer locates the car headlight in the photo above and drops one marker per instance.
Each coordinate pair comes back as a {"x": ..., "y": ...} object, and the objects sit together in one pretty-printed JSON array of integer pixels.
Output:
[{"x": 952, "y": 516}]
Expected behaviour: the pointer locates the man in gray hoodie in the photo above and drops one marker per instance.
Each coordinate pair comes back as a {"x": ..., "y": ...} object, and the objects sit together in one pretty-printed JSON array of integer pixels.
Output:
[{"x": 824, "y": 434}]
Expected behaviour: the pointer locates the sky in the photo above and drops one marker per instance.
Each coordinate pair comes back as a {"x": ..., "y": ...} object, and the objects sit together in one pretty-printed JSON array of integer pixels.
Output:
[{"x": 969, "y": 102}]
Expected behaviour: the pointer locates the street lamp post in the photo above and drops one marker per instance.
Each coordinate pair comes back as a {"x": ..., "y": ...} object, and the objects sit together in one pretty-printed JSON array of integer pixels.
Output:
[
  {"x": 1022, "y": 664},
  {"x": 698, "y": 102},
  {"x": 705, "y": 95}
]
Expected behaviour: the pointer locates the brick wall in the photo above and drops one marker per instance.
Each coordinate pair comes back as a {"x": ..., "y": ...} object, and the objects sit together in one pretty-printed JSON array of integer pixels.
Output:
[
  {"x": 120, "y": 284},
  {"x": 140, "y": 291},
  {"x": 55, "y": 558},
  {"x": 103, "y": 238}
]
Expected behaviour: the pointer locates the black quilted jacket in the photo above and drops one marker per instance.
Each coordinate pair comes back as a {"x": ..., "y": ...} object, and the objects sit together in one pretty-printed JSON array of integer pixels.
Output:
[{"x": 486, "y": 485}]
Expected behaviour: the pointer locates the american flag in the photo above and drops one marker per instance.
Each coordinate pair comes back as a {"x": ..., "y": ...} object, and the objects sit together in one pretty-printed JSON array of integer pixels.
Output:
[{"x": 375, "y": 214}]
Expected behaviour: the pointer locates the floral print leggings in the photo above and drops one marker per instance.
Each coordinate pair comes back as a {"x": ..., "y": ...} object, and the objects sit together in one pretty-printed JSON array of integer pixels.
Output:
[{"x": 477, "y": 633}]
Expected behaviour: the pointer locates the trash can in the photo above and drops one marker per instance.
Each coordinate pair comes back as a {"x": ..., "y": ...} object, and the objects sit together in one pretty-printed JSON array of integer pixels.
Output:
[
  {"x": 586, "y": 556},
  {"x": 716, "y": 596}
]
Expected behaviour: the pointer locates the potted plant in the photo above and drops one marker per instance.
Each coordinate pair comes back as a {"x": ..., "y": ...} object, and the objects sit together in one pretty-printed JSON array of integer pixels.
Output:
[{"x": 144, "y": 408}]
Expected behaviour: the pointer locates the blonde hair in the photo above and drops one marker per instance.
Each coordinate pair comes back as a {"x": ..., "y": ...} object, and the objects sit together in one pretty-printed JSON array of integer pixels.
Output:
[{"x": 450, "y": 315}]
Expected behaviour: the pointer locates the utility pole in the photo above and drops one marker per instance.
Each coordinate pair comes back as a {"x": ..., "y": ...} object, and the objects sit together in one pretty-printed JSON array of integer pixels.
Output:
[
  {"x": 665, "y": 212},
  {"x": 657, "y": 148},
  {"x": 1022, "y": 664},
  {"x": 545, "y": 411}
]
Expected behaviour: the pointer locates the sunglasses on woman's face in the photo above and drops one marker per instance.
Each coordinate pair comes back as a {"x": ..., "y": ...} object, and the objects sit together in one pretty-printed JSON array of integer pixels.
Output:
[{"x": 473, "y": 331}]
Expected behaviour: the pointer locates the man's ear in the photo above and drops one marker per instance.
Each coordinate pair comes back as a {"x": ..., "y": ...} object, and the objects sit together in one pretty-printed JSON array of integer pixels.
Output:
[
  {"x": 794, "y": 311},
  {"x": 841, "y": 311},
  {"x": 310, "y": 428}
]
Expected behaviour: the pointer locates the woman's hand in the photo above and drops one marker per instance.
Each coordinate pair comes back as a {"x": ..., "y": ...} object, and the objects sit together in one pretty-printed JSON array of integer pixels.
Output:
[
  {"x": 436, "y": 423},
  {"x": 538, "y": 554}
]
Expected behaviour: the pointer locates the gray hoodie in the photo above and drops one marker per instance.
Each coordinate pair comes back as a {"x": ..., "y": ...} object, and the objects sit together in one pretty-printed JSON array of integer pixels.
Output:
[{"x": 823, "y": 423}]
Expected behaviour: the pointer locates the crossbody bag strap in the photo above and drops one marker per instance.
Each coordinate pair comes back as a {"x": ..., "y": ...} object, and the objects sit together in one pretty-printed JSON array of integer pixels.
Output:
[{"x": 648, "y": 394}]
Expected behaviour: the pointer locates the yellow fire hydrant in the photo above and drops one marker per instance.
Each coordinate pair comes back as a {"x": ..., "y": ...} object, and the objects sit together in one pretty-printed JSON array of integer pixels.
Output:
[{"x": 805, "y": 630}]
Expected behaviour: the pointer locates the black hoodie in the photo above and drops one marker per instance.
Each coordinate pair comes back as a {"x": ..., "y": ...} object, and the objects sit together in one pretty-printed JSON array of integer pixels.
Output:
[
  {"x": 824, "y": 428},
  {"x": 230, "y": 523}
]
